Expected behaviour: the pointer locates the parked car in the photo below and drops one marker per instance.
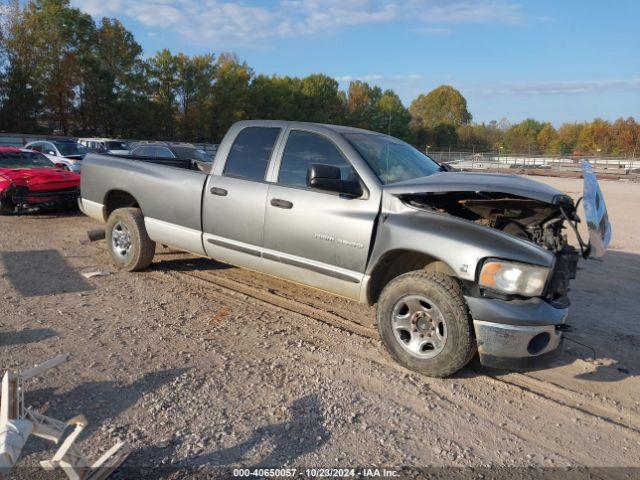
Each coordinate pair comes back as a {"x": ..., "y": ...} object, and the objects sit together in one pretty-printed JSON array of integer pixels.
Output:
[
  {"x": 177, "y": 154},
  {"x": 28, "y": 180},
  {"x": 455, "y": 261},
  {"x": 105, "y": 145},
  {"x": 67, "y": 153}
]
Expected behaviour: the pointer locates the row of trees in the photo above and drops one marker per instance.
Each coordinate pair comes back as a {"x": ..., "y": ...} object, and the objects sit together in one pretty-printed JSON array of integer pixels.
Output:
[
  {"x": 598, "y": 137},
  {"x": 61, "y": 72}
]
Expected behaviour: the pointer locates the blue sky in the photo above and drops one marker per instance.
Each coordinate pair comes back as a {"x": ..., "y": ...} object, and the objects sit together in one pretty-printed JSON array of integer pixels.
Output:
[{"x": 563, "y": 60}]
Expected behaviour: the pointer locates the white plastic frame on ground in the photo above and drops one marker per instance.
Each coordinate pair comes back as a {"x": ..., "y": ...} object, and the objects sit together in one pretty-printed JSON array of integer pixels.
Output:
[{"x": 17, "y": 422}]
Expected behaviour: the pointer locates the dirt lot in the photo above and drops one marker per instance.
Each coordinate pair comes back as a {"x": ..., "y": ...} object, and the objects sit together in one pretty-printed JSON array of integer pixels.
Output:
[{"x": 201, "y": 365}]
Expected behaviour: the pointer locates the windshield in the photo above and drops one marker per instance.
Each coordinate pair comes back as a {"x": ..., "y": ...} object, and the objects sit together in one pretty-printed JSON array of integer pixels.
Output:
[
  {"x": 24, "y": 160},
  {"x": 70, "y": 148},
  {"x": 192, "y": 154},
  {"x": 117, "y": 146},
  {"x": 391, "y": 159}
]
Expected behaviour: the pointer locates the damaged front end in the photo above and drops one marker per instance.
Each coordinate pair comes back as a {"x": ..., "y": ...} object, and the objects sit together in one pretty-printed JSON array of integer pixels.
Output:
[
  {"x": 21, "y": 199},
  {"x": 517, "y": 284},
  {"x": 539, "y": 222}
]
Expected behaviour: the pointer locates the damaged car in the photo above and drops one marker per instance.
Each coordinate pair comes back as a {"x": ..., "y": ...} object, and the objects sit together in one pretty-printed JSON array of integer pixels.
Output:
[
  {"x": 28, "y": 181},
  {"x": 456, "y": 262}
]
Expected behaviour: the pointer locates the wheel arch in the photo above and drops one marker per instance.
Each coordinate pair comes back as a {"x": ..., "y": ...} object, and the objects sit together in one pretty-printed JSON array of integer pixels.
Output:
[
  {"x": 117, "y": 198},
  {"x": 397, "y": 262}
]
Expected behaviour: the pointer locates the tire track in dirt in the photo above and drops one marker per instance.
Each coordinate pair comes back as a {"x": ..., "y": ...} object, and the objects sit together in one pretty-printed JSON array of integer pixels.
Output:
[
  {"x": 450, "y": 403},
  {"x": 548, "y": 391},
  {"x": 497, "y": 412}
]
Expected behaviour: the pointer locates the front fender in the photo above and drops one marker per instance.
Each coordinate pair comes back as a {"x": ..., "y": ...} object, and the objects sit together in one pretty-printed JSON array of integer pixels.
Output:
[{"x": 459, "y": 243}]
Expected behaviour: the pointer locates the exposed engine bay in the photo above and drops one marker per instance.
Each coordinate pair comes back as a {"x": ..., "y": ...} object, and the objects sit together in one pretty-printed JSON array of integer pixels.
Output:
[{"x": 538, "y": 222}]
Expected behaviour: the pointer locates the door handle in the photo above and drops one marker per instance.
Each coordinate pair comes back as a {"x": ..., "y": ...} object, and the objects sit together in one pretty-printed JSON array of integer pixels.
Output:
[
  {"x": 276, "y": 202},
  {"x": 219, "y": 191}
]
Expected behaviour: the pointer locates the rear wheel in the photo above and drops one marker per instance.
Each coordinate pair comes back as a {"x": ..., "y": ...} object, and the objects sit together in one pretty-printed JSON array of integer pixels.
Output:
[
  {"x": 424, "y": 323},
  {"x": 127, "y": 240}
]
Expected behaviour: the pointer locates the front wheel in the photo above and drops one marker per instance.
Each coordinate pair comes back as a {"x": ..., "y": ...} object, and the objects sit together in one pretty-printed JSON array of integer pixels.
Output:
[
  {"x": 424, "y": 323},
  {"x": 127, "y": 240}
]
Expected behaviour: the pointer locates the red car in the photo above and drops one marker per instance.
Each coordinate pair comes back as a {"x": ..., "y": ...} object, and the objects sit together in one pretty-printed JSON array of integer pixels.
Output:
[{"x": 28, "y": 180}]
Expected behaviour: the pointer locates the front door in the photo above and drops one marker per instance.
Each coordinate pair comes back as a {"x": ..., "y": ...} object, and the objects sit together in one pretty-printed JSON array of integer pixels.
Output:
[
  {"x": 234, "y": 200},
  {"x": 313, "y": 237}
]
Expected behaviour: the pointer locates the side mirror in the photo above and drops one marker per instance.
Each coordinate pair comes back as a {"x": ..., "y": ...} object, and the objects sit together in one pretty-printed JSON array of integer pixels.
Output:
[
  {"x": 328, "y": 178},
  {"x": 61, "y": 166},
  {"x": 50, "y": 152}
]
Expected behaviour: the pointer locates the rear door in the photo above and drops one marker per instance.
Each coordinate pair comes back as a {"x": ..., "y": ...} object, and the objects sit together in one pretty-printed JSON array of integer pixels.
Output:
[
  {"x": 315, "y": 237},
  {"x": 234, "y": 198}
]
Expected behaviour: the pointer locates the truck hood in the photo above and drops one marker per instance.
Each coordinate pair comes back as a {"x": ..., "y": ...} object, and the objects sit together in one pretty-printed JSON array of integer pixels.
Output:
[
  {"x": 477, "y": 182},
  {"x": 40, "y": 178}
]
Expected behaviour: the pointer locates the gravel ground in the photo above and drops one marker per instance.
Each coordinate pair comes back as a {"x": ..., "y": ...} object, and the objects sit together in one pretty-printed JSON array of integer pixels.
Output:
[{"x": 199, "y": 365}]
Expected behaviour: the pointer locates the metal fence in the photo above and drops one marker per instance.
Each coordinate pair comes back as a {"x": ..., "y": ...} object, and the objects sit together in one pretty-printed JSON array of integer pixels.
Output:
[{"x": 493, "y": 160}]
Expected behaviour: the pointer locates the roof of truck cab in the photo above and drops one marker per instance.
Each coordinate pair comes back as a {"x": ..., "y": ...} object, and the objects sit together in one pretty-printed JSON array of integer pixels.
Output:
[{"x": 291, "y": 123}]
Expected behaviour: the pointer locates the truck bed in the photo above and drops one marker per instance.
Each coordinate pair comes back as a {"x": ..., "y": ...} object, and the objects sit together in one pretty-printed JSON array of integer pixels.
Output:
[
  {"x": 165, "y": 190},
  {"x": 169, "y": 162}
]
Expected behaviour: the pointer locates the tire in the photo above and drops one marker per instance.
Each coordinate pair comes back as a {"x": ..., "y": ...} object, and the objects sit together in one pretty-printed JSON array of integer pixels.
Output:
[
  {"x": 6, "y": 206},
  {"x": 425, "y": 324},
  {"x": 128, "y": 243}
]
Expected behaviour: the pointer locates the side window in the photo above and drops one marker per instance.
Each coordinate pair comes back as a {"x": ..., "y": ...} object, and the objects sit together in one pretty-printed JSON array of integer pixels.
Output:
[
  {"x": 138, "y": 152},
  {"x": 304, "y": 149},
  {"x": 162, "y": 152},
  {"x": 36, "y": 146},
  {"x": 48, "y": 148},
  {"x": 250, "y": 153}
]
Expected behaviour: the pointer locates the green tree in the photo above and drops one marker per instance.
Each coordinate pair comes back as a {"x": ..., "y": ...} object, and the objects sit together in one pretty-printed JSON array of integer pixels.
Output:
[
  {"x": 523, "y": 137},
  {"x": 567, "y": 140},
  {"x": 479, "y": 137},
  {"x": 195, "y": 77},
  {"x": 546, "y": 138},
  {"x": 392, "y": 116},
  {"x": 626, "y": 134},
  {"x": 20, "y": 93},
  {"x": 444, "y": 104},
  {"x": 230, "y": 95},
  {"x": 61, "y": 36},
  {"x": 361, "y": 104},
  {"x": 162, "y": 72},
  {"x": 275, "y": 97},
  {"x": 111, "y": 73},
  {"x": 595, "y": 137},
  {"x": 322, "y": 99}
]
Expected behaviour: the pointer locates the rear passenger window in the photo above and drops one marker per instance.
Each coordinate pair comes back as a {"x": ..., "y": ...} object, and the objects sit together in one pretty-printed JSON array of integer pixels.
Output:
[
  {"x": 304, "y": 149},
  {"x": 250, "y": 153}
]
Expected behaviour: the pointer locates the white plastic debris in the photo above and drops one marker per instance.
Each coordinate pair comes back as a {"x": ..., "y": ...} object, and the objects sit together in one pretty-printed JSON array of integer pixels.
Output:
[
  {"x": 18, "y": 422},
  {"x": 97, "y": 273}
]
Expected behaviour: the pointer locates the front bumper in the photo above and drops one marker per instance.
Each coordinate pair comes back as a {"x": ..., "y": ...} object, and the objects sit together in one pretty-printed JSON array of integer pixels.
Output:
[
  {"x": 25, "y": 199},
  {"x": 516, "y": 333}
]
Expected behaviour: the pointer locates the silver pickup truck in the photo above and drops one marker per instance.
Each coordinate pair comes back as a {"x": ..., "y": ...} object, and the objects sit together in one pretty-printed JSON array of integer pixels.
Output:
[{"x": 456, "y": 262}]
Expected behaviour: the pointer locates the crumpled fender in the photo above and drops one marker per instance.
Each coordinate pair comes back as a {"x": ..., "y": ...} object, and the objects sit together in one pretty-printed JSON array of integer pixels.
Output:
[{"x": 460, "y": 244}]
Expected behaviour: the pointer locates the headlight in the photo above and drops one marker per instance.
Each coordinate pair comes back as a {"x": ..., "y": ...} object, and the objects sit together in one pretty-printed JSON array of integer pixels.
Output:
[{"x": 513, "y": 277}]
